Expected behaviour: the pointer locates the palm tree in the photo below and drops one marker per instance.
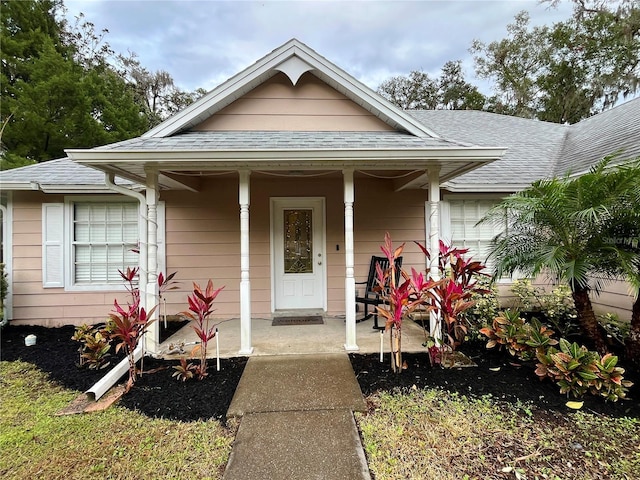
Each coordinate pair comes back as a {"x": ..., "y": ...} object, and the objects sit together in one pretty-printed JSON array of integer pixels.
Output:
[
  {"x": 559, "y": 227},
  {"x": 624, "y": 231}
]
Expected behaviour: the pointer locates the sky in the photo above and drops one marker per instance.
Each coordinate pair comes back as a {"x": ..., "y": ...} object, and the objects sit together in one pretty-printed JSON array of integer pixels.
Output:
[{"x": 201, "y": 43}]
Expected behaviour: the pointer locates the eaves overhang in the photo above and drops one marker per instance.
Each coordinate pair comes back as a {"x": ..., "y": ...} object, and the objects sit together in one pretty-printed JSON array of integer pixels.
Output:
[
  {"x": 183, "y": 156},
  {"x": 54, "y": 188},
  {"x": 505, "y": 188},
  {"x": 133, "y": 164}
]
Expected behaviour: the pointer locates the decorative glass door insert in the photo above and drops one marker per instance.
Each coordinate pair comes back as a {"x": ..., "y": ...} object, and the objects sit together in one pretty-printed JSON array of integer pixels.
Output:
[{"x": 298, "y": 240}]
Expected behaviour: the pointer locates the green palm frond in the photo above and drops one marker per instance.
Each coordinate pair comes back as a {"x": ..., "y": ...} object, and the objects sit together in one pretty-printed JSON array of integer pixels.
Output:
[{"x": 573, "y": 228}]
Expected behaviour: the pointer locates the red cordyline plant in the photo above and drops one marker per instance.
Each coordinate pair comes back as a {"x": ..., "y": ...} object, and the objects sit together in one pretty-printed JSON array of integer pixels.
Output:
[
  {"x": 129, "y": 324},
  {"x": 165, "y": 284},
  {"x": 200, "y": 308},
  {"x": 401, "y": 296},
  {"x": 452, "y": 295}
]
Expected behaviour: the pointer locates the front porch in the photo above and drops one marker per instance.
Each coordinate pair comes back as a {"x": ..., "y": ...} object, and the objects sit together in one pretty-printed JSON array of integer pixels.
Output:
[{"x": 295, "y": 340}]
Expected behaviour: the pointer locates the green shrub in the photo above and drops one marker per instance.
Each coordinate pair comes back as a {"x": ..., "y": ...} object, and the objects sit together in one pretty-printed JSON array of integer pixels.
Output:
[
  {"x": 574, "y": 368},
  {"x": 485, "y": 306},
  {"x": 95, "y": 344},
  {"x": 577, "y": 371},
  {"x": 616, "y": 328},
  {"x": 556, "y": 307},
  {"x": 521, "y": 338}
]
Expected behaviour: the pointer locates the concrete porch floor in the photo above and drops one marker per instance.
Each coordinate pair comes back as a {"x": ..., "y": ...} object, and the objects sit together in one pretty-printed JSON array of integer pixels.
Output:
[{"x": 296, "y": 340}]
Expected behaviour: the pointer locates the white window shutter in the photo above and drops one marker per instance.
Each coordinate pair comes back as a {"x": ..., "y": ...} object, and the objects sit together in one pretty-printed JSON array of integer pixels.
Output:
[{"x": 53, "y": 245}]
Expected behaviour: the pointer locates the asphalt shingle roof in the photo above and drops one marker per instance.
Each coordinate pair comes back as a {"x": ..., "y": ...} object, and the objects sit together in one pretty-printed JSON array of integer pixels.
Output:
[
  {"x": 537, "y": 149},
  {"x": 62, "y": 171},
  {"x": 277, "y": 140},
  {"x": 534, "y": 149},
  {"x": 596, "y": 137},
  {"x": 532, "y": 146}
]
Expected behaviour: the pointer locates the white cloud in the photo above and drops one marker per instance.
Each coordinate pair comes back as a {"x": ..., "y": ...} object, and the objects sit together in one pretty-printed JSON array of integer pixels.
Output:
[{"x": 201, "y": 43}]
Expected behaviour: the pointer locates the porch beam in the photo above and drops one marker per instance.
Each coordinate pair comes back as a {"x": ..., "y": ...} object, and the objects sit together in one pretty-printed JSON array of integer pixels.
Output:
[
  {"x": 245, "y": 285},
  {"x": 414, "y": 180},
  {"x": 171, "y": 180},
  {"x": 434, "y": 237},
  {"x": 350, "y": 282}
]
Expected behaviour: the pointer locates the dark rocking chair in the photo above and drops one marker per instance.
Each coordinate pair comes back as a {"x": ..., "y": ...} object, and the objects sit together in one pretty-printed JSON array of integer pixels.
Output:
[{"x": 370, "y": 297}]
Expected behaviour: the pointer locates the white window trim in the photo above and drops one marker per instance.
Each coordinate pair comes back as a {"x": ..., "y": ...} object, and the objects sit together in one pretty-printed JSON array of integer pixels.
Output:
[
  {"x": 445, "y": 220},
  {"x": 69, "y": 202}
]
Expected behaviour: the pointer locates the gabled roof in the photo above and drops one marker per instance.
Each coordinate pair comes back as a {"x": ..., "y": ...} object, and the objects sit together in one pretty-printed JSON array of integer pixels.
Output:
[
  {"x": 533, "y": 147},
  {"x": 614, "y": 130},
  {"x": 293, "y": 59},
  {"x": 536, "y": 149}
]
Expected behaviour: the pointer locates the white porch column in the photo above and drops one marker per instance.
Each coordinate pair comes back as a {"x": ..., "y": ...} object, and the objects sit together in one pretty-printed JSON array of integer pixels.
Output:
[
  {"x": 151, "y": 294},
  {"x": 245, "y": 284},
  {"x": 349, "y": 282},
  {"x": 434, "y": 237}
]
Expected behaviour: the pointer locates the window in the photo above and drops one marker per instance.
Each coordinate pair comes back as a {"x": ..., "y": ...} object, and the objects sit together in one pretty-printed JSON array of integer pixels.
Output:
[
  {"x": 464, "y": 215},
  {"x": 86, "y": 240},
  {"x": 104, "y": 237}
]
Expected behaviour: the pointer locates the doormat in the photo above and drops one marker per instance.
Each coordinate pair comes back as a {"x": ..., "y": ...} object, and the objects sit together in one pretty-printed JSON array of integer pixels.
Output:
[{"x": 311, "y": 320}]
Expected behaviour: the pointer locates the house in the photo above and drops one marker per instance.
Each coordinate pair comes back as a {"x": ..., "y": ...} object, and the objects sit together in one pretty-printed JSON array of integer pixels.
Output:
[{"x": 279, "y": 184}]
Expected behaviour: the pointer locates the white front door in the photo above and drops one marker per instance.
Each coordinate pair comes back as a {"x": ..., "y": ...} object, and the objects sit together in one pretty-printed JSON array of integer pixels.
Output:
[{"x": 298, "y": 251}]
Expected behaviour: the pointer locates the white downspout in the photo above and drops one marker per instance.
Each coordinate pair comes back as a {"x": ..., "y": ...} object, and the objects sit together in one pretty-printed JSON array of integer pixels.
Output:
[{"x": 106, "y": 382}]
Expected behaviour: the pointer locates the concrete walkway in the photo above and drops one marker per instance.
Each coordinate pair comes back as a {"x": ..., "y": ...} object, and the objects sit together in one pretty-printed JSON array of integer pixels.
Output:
[{"x": 297, "y": 420}]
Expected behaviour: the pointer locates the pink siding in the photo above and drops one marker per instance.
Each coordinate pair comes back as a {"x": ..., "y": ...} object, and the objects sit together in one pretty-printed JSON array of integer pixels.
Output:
[
  {"x": 213, "y": 250},
  {"x": 33, "y": 304},
  {"x": 310, "y": 105},
  {"x": 202, "y": 242},
  {"x": 615, "y": 298}
]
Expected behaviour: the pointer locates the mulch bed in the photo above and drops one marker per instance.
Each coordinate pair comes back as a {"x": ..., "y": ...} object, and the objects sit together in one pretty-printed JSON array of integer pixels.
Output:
[
  {"x": 514, "y": 382},
  {"x": 158, "y": 394}
]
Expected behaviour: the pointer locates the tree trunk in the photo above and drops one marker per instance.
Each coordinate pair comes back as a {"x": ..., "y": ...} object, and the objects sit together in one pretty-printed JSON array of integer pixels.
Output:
[
  {"x": 396, "y": 349},
  {"x": 588, "y": 321},
  {"x": 632, "y": 345}
]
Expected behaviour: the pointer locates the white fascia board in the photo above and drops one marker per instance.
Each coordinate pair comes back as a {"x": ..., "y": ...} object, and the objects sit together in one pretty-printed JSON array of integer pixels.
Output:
[
  {"x": 485, "y": 188},
  {"x": 97, "y": 157},
  {"x": 16, "y": 186},
  {"x": 54, "y": 188},
  {"x": 74, "y": 189}
]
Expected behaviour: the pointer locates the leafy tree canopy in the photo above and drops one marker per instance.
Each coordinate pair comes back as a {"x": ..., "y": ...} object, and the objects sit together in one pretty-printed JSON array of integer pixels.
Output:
[
  {"x": 561, "y": 73},
  {"x": 569, "y": 71},
  {"x": 61, "y": 87},
  {"x": 418, "y": 91}
]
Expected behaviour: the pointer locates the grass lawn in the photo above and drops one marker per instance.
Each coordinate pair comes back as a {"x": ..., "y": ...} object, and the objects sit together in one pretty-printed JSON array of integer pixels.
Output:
[
  {"x": 424, "y": 434},
  {"x": 116, "y": 443},
  {"x": 433, "y": 434}
]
